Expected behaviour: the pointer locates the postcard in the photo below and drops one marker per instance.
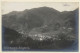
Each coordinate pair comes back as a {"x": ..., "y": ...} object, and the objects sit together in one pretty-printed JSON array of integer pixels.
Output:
[{"x": 40, "y": 26}]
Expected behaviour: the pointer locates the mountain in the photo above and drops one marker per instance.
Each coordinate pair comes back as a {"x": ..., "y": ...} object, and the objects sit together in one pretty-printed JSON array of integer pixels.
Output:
[{"x": 43, "y": 19}]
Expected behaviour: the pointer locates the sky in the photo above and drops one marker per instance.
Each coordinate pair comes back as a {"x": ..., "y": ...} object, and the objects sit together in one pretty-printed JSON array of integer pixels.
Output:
[{"x": 21, "y": 6}]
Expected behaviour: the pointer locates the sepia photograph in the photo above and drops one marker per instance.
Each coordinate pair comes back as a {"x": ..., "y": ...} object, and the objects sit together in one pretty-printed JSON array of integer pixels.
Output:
[{"x": 40, "y": 26}]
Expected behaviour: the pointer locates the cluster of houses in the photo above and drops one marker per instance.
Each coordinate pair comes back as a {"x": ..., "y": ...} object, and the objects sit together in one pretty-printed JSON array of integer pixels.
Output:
[{"x": 42, "y": 36}]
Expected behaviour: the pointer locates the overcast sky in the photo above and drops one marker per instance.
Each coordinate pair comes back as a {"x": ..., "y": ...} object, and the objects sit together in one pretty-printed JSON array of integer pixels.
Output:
[{"x": 20, "y": 6}]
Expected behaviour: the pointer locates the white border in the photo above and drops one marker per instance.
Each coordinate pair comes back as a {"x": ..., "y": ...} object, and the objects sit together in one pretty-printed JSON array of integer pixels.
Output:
[{"x": 32, "y": 1}]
